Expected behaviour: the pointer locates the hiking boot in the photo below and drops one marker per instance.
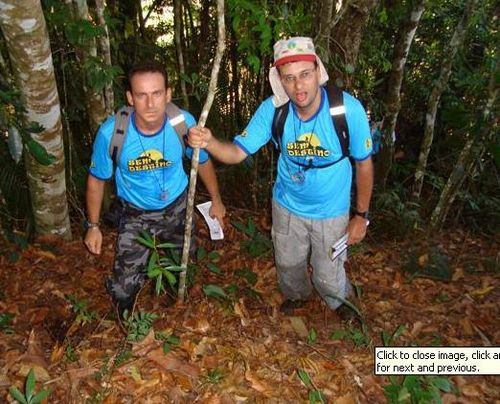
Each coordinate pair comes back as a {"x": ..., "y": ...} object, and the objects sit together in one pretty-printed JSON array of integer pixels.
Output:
[
  {"x": 124, "y": 310},
  {"x": 288, "y": 306},
  {"x": 347, "y": 314}
]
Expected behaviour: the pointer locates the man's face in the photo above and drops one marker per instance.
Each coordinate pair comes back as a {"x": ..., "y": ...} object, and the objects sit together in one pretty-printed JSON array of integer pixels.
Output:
[
  {"x": 149, "y": 97},
  {"x": 301, "y": 83}
]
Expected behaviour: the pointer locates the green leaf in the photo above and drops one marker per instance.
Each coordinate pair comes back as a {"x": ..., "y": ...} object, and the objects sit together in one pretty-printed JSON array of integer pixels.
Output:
[
  {"x": 172, "y": 280},
  {"x": 148, "y": 242},
  {"x": 338, "y": 334},
  {"x": 214, "y": 268},
  {"x": 213, "y": 255},
  {"x": 311, "y": 338},
  {"x": 200, "y": 254},
  {"x": 167, "y": 245},
  {"x": 442, "y": 383},
  {"x": 39, "y": 153},
  {"x": 214, "y": 291},
  {"x": 30, "y": 384},
  {"x": 42, "y": 395},
  {"x": 304, "y": 376},
  {"x": 14, "y": 392}
]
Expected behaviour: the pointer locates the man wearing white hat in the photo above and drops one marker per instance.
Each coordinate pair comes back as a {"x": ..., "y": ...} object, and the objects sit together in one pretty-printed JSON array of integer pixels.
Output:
[{"x": 311, "y": 196}]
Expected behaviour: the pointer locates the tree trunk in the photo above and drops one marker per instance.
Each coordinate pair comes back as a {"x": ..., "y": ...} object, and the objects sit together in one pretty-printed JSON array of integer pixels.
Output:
[
  {"x": 105, "y": 49},
  {"x": 96, "y": 107},
  {"x": 221, "y": 35},
  {"x": 180, "y": 56},
  {"x": 27, "y": 40},
  {"x": 471, "y": 153},
  {"x": 435, "y": 96},
  {"x": 322, "y": 38},
  {"x": 392, "y": 101},
  {"x": 345, "y": 39}
]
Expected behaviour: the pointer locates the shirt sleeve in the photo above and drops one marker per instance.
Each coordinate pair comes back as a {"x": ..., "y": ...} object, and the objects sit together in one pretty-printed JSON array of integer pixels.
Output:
[
  {"x": 258, "y": 131},
  {"x": 190, "y": 122},
  {"x": 101, "y": 165},
  {"x": 360, "y": 140}
]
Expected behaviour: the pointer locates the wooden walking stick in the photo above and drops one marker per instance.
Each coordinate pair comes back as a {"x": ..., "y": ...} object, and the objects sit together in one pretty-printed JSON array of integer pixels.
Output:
[{"x": 221, "y": 37}]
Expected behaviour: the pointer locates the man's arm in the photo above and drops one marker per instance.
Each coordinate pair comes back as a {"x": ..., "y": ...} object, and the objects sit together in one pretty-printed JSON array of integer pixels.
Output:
[
  {"x": 94, "y": 196},
  {"x": 364, "y": 187},
  {"x": 209, "y": 178},
  {"x": 226, "y": 152}
]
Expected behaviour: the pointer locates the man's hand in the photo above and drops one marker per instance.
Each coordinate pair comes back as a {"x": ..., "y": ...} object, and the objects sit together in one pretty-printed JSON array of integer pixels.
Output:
[
  {"x": 93, "y": 240},
  {"x": 199, "y": 137},
  {"x": 218, "y": 211},
  {"x": 357, "y": 229}
]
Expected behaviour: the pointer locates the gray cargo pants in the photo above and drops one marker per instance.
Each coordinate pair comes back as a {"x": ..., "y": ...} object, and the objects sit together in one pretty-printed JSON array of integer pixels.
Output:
[
  {"x": 131, "y": 257},
  {"x": 296, "y": 239}
]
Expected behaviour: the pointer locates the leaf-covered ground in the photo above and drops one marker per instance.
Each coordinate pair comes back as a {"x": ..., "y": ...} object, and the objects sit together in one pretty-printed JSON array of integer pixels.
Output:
[{"x": 241, "y": 349}]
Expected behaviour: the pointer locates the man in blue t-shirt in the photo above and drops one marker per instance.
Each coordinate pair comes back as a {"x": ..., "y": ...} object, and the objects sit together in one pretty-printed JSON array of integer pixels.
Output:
[
  {"x": 311, "y": 198},
  {"x": 150, "y": 182}
]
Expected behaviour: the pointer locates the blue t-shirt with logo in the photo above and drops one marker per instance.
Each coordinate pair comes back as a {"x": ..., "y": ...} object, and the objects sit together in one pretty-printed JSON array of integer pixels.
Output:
[
  {"x": 320, "y": 193},
  {"x": 149, "y": 173}
]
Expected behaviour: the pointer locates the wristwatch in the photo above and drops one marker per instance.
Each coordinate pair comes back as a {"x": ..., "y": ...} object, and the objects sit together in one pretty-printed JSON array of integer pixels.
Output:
[
  {"x": 91, "y": 225},
  {"x": 364, "y": 214}
]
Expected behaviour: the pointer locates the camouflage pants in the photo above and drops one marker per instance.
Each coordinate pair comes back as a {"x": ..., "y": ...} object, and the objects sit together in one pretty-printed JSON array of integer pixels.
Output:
[{"x": 129, "y": 270}]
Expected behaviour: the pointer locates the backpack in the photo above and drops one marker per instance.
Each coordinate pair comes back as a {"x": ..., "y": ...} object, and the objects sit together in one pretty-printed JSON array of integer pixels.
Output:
[
  {"x": 337, "y": 111},
  {"x": 122, "y": 120}
]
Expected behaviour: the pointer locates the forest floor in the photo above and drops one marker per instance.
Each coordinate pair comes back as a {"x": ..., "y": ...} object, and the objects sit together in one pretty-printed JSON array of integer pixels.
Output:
[{"x": 241, "y": 348}]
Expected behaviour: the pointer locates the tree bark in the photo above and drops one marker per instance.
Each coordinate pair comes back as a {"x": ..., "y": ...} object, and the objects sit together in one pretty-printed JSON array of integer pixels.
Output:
[
  {"x": 345, "y": 39},
  {"x": 435, "y": 96},
  {"x": 392, "y": 101},
  {"x": 96, "y": 107},
  {"x": 471, "y": 153},
  {"x": 25, "y": 32},
  {"x": 180, "y": 56},
  {"x": 322, "y": 39},
  {"x": 221, "y": 37},
  {"x": 105, "y": 49}
]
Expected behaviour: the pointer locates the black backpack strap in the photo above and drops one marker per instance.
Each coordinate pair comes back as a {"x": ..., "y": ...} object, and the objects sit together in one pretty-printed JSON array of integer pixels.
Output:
[
  {"x": 122, "y": 118},
  {"x": 178, "y": 122},
  {"x": 337, "y": 111},
  {"x": 278, "y": 124}
]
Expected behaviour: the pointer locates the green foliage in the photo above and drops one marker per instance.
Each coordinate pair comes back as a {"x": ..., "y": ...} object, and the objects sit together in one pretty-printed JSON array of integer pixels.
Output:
[
  {"x": 388, "y": 340},
  {"x": 358, "y": 336},
  {"x": 257, "y": 243},
  {"x": 207, "y": 260},
  {"x": 215, "y": 291},
  {"x": 314, "y": 395},
  {"x": 71, "y": 354},
  {"x": 161, "y": 265},
  {"x": 168, "y": 340},
  {"x": 138, "y": 325},
  {"x": 79, "y": 307},
  {"x": 247, "y": 274},
  {"x": 5, "y": 322},
  {"x": 29, "y": 396},
  {"x": 312, "y": 336},
  {"x": 432, "y": 263},
  {"x": 418, "y": 389},
  {"x": 122, "y": 357},
  {"x": 214, "y": 376}
]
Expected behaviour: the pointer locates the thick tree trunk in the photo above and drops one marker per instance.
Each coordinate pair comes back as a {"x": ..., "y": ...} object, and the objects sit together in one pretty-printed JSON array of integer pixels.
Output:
[
  {"x": 105, "y": 49},
  {"x": 471, "y": 153},
  {"x": 25, "y": 32},
  {"x": 221, "y": 37},
  {"x": 96, "y": 107},
  {"x": 178, "y": 45},
  {"x": 392, "y": 101},
  {"x": 435, "y": 96},
  {"x": 345, "y": 39}
]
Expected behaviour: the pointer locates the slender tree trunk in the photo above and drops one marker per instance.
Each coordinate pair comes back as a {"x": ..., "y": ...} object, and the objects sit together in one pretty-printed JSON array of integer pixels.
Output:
[
  {"x": 322, "y": 39},
  {"x": 221, "y": 36},
  {"x": 392, "y": 101},
  {"x": 105, "y": 49},
  {"x": 25, "y": 32},
  {"x": 435, "y": 96},
  {"x": 180, "y": 56},
  {"x": 96, "y": 107},
  {"x": 345, "y": 38},
  {"x": 471, "y": 153}
]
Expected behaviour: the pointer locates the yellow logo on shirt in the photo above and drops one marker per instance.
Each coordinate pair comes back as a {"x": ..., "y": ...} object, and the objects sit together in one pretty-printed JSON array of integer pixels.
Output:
[
  {"x": 307, "y": 144},
  {"x": 149, "y": 160},
  {"x": 368, "y": 143}
]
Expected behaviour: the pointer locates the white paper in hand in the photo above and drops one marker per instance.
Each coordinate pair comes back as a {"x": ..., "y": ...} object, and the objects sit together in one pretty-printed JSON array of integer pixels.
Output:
[
  {"x": 216, "y": 232},
  {"x": 339, "y": 247}
]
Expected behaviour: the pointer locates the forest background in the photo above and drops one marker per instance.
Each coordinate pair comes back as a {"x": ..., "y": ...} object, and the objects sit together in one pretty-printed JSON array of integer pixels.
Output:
[{"x": 427, "y": 72}]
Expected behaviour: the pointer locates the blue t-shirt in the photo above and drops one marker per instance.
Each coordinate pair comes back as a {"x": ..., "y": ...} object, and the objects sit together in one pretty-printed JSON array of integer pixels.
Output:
[
  {"x": 324, "y": 192},
  {"x": 149, "y": 173}
]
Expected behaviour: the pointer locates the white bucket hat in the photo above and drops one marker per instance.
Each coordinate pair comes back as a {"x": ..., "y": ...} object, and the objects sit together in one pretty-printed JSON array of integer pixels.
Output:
[{"x": 292, "y": 50}]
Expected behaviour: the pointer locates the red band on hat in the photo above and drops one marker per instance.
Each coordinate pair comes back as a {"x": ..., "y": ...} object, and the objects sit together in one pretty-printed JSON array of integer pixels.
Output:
[{"x": 295, "y": 58}]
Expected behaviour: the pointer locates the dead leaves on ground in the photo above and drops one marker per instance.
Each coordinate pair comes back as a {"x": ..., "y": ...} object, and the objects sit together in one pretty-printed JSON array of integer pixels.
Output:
[{"x": 242, "y": 351}]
